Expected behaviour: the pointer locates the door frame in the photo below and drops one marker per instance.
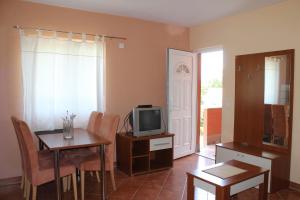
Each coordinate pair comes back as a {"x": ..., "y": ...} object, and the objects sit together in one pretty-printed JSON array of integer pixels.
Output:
[
  {"x": 197, "y": 148},
  {"x": 198, "y": 53},
  {"x": 194, "y": 97}
]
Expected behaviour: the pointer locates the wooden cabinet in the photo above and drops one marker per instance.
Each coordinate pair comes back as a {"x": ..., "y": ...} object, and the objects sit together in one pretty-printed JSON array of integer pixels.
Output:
[
  {"x": 254, "y": 74},
  {"x": 277, "y": 163},
  {"x": 251, "y": 121},
  {"x": 138, "y": 155},
  {"x": 249, "y": 99}
]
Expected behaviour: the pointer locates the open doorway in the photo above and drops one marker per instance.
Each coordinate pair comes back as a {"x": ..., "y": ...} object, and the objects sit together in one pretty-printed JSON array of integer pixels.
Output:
[{"x": 210, "y": 101}]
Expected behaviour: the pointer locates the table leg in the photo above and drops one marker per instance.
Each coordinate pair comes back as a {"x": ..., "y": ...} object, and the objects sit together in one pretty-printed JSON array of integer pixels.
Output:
[
  {"x": 263, "y": 188},
  {"x": 190, "y": 187},
  {"x": 222, "y": 193},
  {"x": 103, "y": 178},
  {"x": 56, "y": 173},
  {"x": 41, "y": 145}
]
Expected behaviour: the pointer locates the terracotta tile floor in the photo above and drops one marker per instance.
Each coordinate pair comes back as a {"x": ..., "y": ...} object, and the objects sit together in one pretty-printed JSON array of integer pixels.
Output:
[
  {"x": 208, "y": 152},
  {"x": 164, "y": 185}
]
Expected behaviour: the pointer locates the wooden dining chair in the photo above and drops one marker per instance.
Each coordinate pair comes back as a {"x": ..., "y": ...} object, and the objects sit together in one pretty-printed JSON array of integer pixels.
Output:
[
  {"x": 43, "y": 154},
  {"x": 94, "y": 121},
  {"x": 24, "y": 182},
  {"x": 93, "y": 125},
  {"x": 77, "y": 155},
  {"x": 107, "y": 129},
  {"x": 278, "y": 124},
  {"x": 267, "y": 136},
  {"x": 38, "y": 168}
]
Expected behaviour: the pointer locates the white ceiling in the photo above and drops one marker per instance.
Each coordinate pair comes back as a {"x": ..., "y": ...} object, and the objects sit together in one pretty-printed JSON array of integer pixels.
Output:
[{"x": 180, "y": 12}]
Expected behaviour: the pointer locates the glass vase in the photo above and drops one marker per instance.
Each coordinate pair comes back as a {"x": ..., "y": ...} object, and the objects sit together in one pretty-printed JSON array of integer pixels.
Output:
[{"x": 68, "y": 130}]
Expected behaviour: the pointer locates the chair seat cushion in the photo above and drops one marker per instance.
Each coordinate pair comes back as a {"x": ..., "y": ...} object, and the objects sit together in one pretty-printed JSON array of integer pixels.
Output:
[
  {"x": 45, "y": 171},
  {"x": 92, "y": 163},
  {"x": 45, "y": 154},
  {"x": 77, "y": 156}
]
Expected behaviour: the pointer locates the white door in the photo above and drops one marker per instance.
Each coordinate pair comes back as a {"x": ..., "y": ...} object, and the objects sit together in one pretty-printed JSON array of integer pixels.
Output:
[{"x": 182, "y": 100}]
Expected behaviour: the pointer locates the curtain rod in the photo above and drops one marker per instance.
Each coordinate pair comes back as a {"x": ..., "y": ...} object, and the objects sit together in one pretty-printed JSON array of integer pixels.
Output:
[{"x": 34, "y": 28}]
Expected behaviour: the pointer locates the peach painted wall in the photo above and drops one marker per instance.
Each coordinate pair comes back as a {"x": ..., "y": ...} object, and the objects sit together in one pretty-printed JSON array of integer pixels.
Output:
[
  {"x": 270, "y": 28},
  {"x": 135, "y": 75}
]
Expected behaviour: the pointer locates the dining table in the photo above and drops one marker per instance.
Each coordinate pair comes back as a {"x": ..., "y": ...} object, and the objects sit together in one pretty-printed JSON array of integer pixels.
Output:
[{"x": 82, "y": 138}]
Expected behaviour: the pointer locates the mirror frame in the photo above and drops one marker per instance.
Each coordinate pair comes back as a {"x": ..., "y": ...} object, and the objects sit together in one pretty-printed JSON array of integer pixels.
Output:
[{"x": 291, "y": 55}]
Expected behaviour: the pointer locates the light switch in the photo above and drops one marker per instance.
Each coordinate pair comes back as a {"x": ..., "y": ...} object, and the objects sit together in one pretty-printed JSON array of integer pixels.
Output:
[{"x": 121, "y": 45}]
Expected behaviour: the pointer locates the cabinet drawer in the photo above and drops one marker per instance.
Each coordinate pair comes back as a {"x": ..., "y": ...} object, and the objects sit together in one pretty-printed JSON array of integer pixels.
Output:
[{"x": 160, "y": 143}]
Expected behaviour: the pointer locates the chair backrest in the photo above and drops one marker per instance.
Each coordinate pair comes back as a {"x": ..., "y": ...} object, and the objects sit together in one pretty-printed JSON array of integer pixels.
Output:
[
  {"x": 267, "y": 120},
  {"x": 17, "y": 132},
  {"x": 94, "y": 121},
  {"x": 278, "y": 120},
  {"x": 30, "y": 151},
  {"x": 108, "y": 129}
]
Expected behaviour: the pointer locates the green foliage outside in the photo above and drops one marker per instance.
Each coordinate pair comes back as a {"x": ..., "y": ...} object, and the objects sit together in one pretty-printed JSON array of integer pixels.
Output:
[
  {"x": 204, "y": 89},
  {"x": 211, "y": 84}
]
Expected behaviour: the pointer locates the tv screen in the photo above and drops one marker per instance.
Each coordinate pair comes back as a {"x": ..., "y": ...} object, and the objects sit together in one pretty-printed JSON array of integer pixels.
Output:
[{"x": 149, "y": 120}]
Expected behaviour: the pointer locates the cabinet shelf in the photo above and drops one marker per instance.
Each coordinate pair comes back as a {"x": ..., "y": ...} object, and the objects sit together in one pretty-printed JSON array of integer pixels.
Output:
[
  {"x": 161, "y": 158},
  {"x": 141, "y": 156},
  {"x": 140, "y": 148},
  {"x": 140, "y": 164},
  {"x": 134, "y": 156}
]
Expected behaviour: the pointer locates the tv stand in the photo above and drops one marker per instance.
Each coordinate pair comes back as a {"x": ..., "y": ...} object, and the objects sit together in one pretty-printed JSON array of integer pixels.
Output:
[{"x": 140, "y": 155}]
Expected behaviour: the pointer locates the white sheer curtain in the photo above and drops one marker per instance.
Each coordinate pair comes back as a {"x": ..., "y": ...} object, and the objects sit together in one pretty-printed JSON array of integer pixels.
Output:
[
  {"x": 272, "y": 75},
  {"x": 61, "y": 74}
]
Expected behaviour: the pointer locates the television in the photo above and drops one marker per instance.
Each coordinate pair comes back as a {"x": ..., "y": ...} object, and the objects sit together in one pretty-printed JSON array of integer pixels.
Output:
[{"x": 147, "y": 121}]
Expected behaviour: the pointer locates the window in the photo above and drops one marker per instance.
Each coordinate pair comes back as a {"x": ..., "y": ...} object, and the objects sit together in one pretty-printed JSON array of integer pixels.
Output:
[
  {"x": 272, "y": 75},
  {"x": 60, "y": 74}
]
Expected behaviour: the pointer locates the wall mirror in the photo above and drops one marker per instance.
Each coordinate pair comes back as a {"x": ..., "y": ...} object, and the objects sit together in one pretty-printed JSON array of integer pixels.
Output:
[{"x": 278, "y": 94}]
